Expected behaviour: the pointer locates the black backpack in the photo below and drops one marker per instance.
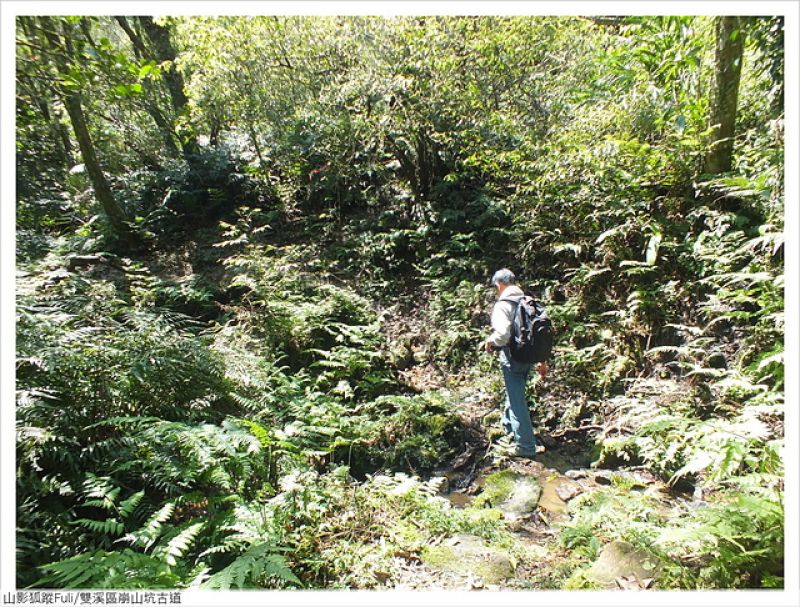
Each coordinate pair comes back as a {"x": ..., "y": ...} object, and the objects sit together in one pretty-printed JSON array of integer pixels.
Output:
[{"x": 531, "y": 331}]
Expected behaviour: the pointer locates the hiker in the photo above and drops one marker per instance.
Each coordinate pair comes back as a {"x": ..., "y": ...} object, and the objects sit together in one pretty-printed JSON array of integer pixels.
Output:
[{"x": 516, "y": 416}]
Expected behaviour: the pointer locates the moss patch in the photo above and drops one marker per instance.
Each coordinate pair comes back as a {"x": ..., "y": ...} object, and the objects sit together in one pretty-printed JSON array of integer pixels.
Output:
[
  {"x": 468, "y": 554},
  {"x": 407, "y": 535},
  {"x": 497, "y": 488},
  {"x": 512, "y": 493},
  {"x": 440, "y": 557}
]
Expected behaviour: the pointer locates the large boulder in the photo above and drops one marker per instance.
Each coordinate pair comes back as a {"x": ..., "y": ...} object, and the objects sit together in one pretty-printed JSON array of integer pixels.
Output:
[
  {"x": 512, "y": 493},
  {"x": 620, "y": 563}
]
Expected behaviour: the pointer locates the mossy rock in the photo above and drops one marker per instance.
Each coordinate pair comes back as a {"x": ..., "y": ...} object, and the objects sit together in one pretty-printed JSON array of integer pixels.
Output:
[
  {"x": 493, "y": 434},
  {"x": 469, "y": 554},
  {"x": 620, "y": 560},
  {"x": 491, "y": 419},
  {"x": 512, "y": 493}
]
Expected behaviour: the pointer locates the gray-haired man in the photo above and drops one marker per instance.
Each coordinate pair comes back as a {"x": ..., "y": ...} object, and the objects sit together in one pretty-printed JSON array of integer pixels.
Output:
[{"x": 516, "y": 416}]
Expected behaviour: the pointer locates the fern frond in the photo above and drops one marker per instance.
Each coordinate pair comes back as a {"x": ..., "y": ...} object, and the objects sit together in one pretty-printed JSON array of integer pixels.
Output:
[
  {"x": 107, "y": 527},
  {"x": 178, "y": 545},
  {"x": 101, "y": 487},
  {"x": 101, "y": 569},
  {"x": 152, "y": 529},
  {"x": 126, "y": 507},
  {"x": 253, "y": 569}
]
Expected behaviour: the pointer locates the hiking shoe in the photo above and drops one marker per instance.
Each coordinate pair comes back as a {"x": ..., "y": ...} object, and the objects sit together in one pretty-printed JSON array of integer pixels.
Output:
[{"x": 523, "y": 455}]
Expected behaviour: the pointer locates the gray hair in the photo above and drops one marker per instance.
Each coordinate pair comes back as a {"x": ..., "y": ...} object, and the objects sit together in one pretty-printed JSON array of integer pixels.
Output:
[{"x": 504, "y": 276}]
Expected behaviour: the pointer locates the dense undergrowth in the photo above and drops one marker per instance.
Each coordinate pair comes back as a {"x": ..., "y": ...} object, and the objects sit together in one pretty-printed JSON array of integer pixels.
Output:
[
  {"x": 226, "y": 405},
  {"x": 178, "y": 420}
]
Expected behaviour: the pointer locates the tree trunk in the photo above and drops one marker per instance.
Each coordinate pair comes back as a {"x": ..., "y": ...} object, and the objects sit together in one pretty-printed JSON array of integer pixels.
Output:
[
  {"x": 102, "y": 190},
  {"x": 62, "y": 49},
  {"x": 423, "y": 164},
  {"x": 63, "y": 135},
  {"x": 43, "y": 99},
  {"x": 160, "y": 39},
  {"x": 727, "y": 71},
  {"x": 57, "y": 131},
  {"x": 213, "y": 137},
  {"x": 254, "y": 140},
  {"x": 165, "y": 126}
]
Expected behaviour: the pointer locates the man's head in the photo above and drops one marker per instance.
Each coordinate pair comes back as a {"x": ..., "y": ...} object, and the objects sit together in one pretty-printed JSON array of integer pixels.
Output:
[{"x": 503, "y": 278}]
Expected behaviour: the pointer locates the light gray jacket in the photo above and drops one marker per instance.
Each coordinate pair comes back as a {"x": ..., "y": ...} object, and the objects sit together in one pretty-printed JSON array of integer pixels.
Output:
[{"x": 503, "y": 317}]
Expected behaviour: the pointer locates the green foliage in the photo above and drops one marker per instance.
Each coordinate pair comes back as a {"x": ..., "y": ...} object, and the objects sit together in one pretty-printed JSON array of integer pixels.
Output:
[
  {"x": 99, "y": 357},
  {"x": 255, "y": 568},
  {"x": 413, "y": 433},
  {"x": 125, "y": 569},
  {"x": 611, "y": 514},
  {"x": 732, "y": 543},
  {"x": 176, "y": 457},
  {"x": 362, "y": 527},
  {"x": 180, "y": 195},
  {"x": 459, "y": 311},
  {"x": 203, "y": 399},
  {"x": 729, "y": 543},
  {"x": 128, "y": 568}
]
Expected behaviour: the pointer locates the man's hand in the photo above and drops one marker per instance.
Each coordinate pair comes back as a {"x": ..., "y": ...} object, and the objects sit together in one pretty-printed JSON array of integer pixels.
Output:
[
  {"x": 489, "y": 346},
  {"x": 541, "y": 369}
]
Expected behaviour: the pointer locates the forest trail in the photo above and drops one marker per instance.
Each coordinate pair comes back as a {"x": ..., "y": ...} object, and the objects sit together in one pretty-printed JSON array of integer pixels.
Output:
[{"x": 561, "y": 471}]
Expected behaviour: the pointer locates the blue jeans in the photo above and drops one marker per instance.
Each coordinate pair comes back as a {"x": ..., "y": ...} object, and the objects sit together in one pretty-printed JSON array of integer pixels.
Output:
[{"x": 516, "y": 416}]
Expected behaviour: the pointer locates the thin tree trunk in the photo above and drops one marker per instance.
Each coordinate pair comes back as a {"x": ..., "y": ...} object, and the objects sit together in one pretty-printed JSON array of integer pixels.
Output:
[
  {"x": 138, "y": 46},
  {"x": 423, "y": 166},
  {"x": 727, "y": 71},
  {"x": 408, "y": 168},
  {"x": 165, "y": 126},
  {"x": 101, "y": 188},
  {"x": 160, "y": 39},
  {"x": 63, "y": 135},
  {"x": 57, "y": 131},
  {"x": 257, "y": 147},
  {"x": 213, "y": 138},
  {"x": 44, "y": 100},
  {"x": 72, "y": 102}
]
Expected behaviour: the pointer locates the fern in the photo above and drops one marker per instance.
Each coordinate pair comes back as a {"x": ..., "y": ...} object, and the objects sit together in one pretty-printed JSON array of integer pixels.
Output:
[
  {"x": 732, "y": 543},
  {"x": 178, "y": 545},
  {"x": 147, "y": 535},
  {"x": 107, "y": 527},
  {"x": 101, "y": 569},
  {"x": 255, "y": 568},
  {"x": 127, "y": 506}
]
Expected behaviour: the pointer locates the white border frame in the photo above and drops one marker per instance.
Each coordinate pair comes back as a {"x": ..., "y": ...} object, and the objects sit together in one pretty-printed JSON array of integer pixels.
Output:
[{"x": 790, "y": 596}]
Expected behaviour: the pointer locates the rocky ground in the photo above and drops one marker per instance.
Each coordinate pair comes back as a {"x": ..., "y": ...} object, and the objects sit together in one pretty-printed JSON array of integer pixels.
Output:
[{"x": 533, "y": 497}]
